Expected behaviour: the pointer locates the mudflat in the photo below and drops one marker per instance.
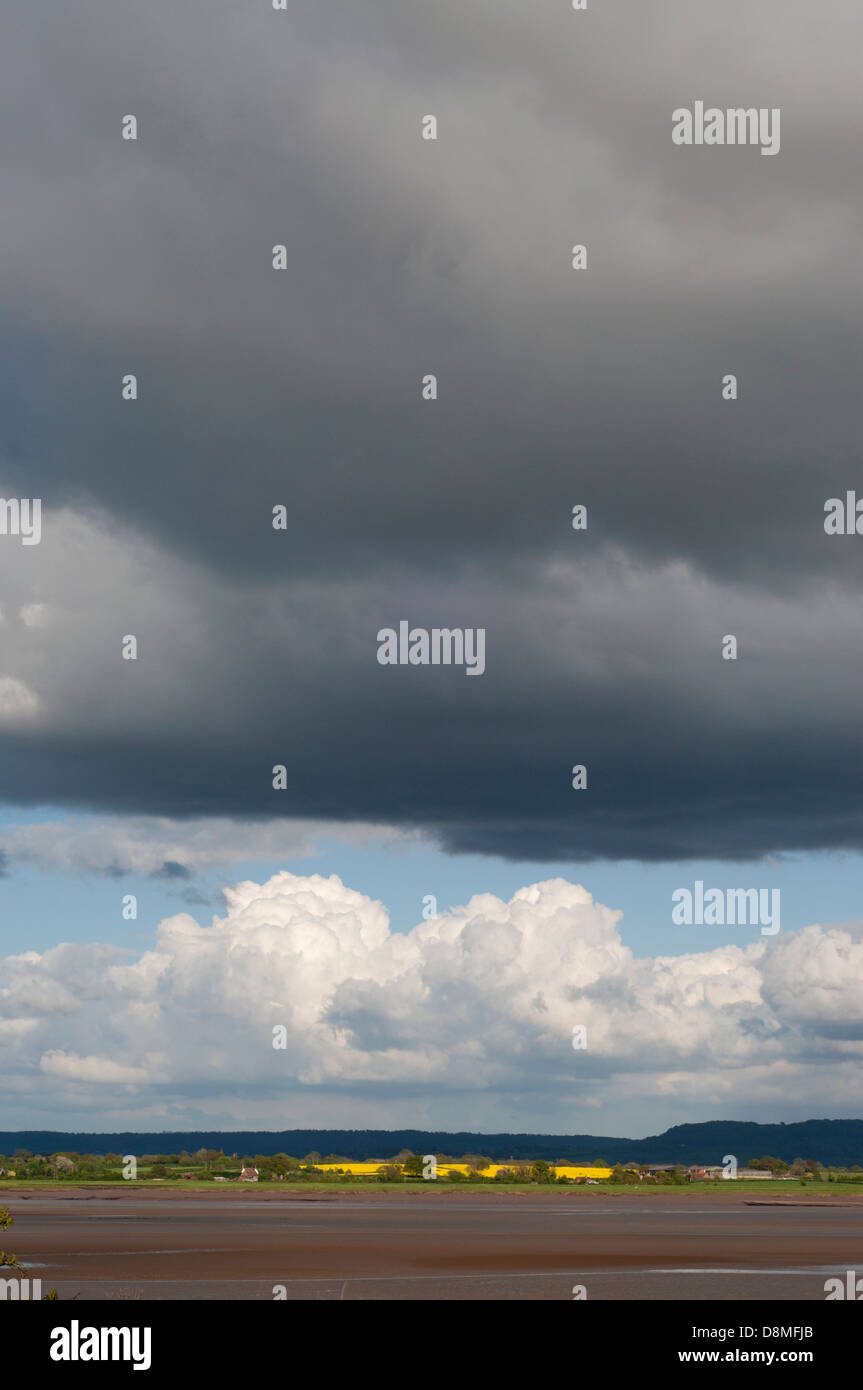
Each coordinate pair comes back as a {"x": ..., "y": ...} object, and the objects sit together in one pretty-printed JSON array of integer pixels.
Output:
[{"x": 247, "y": 1243}]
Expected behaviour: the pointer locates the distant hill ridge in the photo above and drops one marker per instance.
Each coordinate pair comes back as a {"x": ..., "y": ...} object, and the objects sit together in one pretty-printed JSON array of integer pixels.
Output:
[{"x": 831, "y": 1141}]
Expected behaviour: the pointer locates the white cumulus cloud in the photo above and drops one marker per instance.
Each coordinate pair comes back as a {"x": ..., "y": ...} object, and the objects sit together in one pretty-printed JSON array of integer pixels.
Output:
[{"x": 465, "y": 1021}]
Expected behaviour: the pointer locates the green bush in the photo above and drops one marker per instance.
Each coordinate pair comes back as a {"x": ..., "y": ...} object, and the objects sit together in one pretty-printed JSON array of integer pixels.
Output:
[{"x": 389, "y": 1172}]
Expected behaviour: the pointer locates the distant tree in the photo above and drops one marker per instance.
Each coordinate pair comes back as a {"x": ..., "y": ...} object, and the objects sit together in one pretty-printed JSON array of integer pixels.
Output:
[
  {"x": 414, "y": 1166},
  {"x": 7, "y": 1259},
  {"x": 478, "y": 1162},
  {"x": 540, "y": 1171},
  {"x": 10, "y": 1261},
  {"x": 805, "y": 1167},
  {"x": 389, "y": 1172},
  {"x": 768, "y": 1164},
  {"x": 313, "y": 1157},
  {"x": 619, "y": 1174}
]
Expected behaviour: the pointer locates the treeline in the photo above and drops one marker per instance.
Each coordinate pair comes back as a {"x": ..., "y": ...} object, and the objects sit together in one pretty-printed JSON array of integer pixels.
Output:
[
  {"x": 838, "y": 1143},
  {"x": 358, "y": 1145},
  {"x": 805, "y": 1168},
  {"x": 217, "y": 1166},
  {"x": 215, "y": 1163}
]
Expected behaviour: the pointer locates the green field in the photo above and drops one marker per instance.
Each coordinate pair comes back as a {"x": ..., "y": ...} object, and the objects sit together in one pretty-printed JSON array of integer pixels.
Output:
[{"x": 794, "y": 1191}]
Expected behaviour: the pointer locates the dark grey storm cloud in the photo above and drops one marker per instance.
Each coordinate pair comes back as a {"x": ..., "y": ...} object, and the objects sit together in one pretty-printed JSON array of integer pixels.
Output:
[{"x": 302, "y": 387}]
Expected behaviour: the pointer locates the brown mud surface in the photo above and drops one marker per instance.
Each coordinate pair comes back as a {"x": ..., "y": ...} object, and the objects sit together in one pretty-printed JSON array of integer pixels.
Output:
[{"x": 237, "y": 1236}]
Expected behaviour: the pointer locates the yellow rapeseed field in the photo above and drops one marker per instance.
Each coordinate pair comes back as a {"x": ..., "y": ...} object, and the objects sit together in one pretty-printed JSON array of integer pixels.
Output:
[{"x": 369, "y": 1169}]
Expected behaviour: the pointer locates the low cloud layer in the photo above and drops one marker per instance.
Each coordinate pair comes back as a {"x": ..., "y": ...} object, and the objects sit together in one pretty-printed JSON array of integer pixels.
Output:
[
  {"x": 467, "y": 1018},
  {"x": 617, "y": 668},
  {"x": 163, "y": 848}
]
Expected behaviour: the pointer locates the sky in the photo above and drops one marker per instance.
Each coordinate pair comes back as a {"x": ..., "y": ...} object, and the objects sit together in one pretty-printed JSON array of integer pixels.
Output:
[{"x": 428, "y": 905}]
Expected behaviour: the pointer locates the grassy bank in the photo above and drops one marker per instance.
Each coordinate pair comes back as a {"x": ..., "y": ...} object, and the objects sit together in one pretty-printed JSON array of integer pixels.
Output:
[{"x": 793, "y": 1191}]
